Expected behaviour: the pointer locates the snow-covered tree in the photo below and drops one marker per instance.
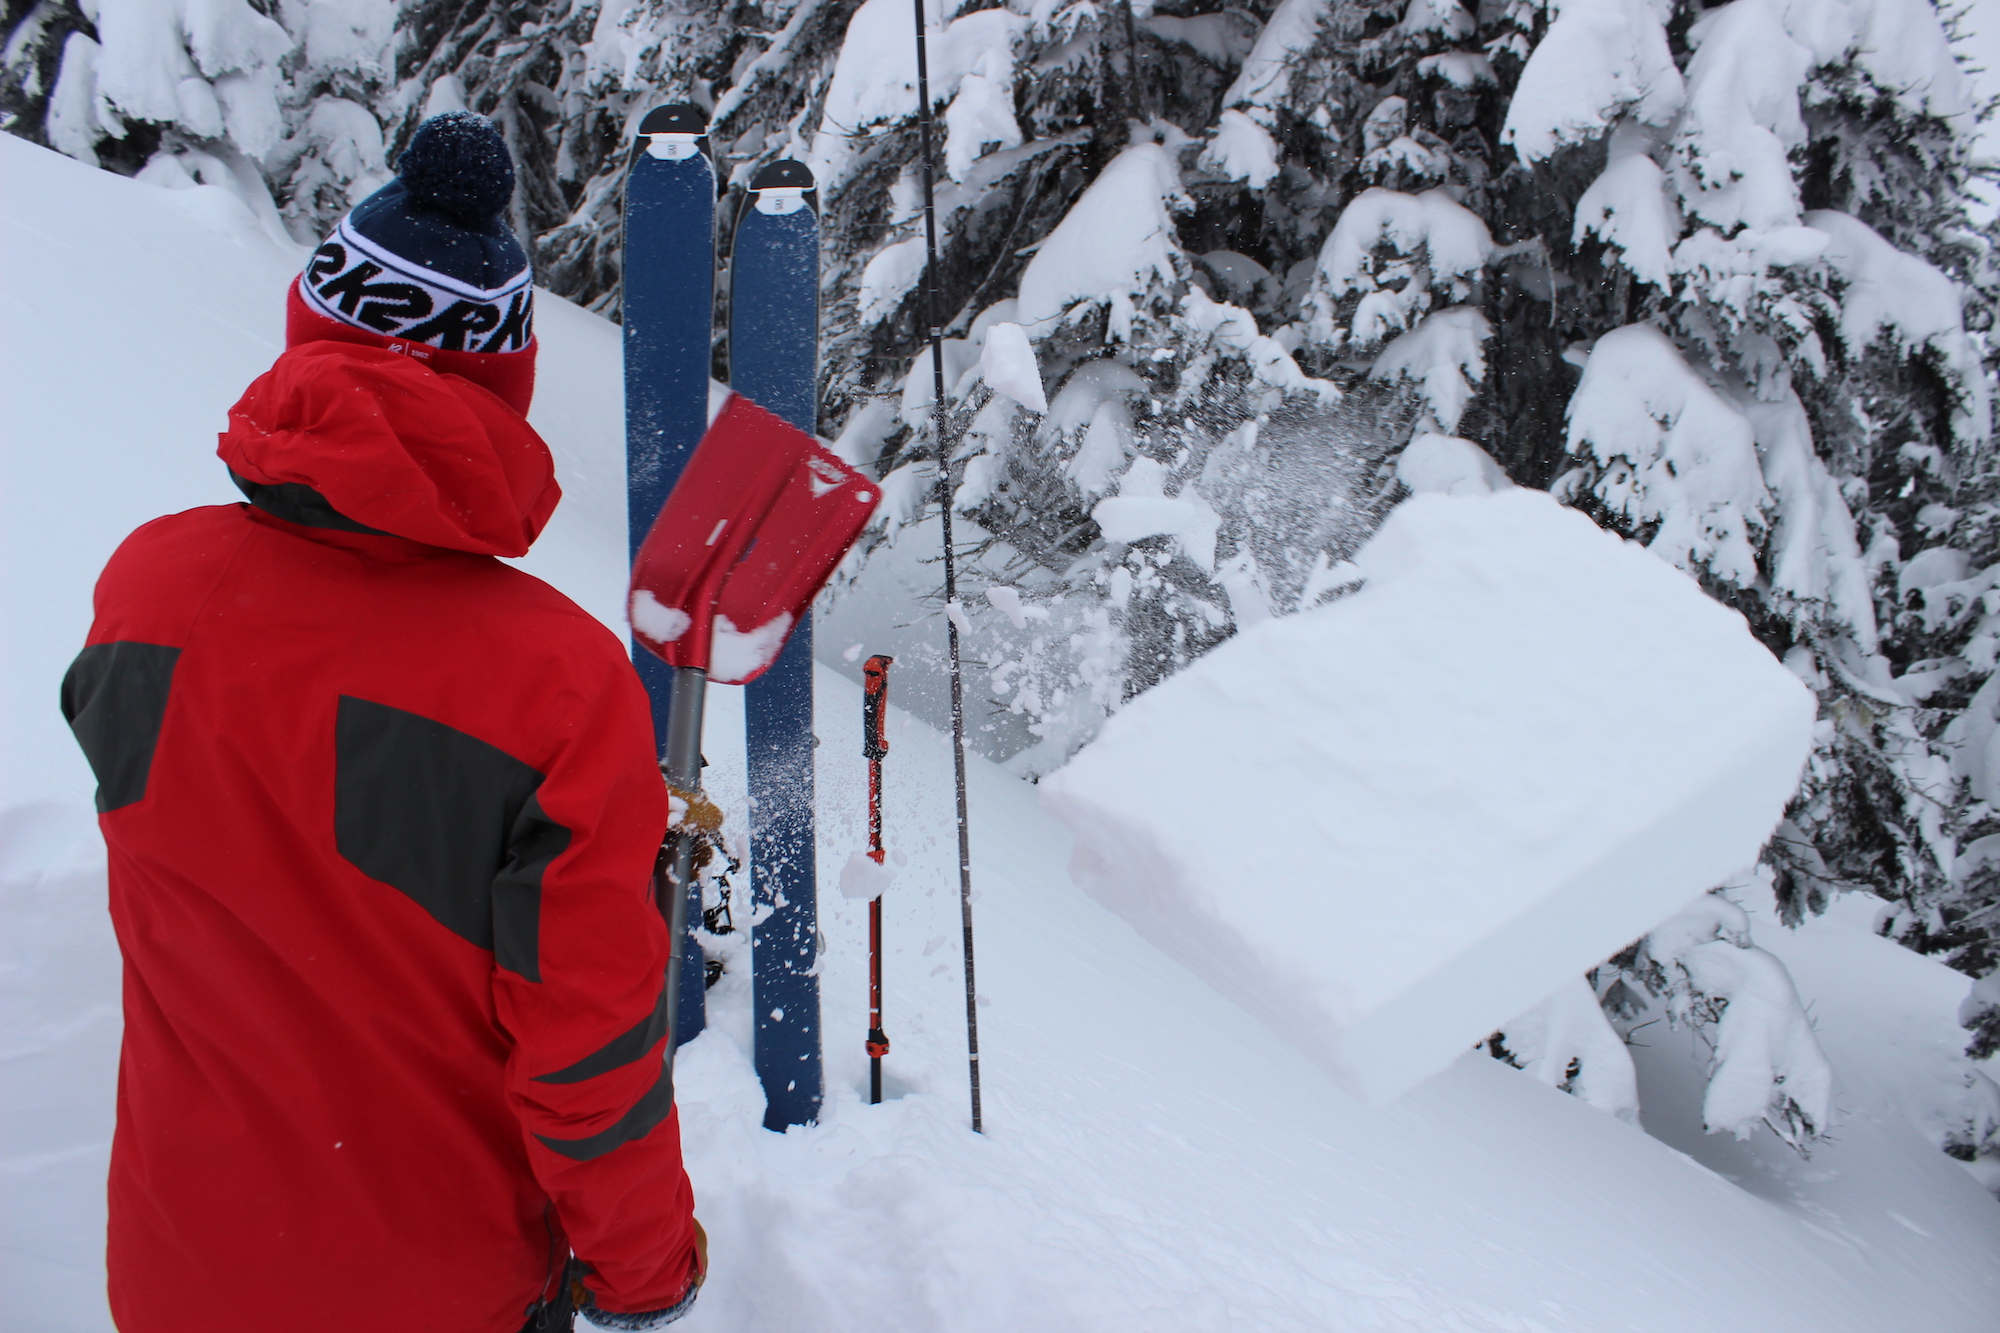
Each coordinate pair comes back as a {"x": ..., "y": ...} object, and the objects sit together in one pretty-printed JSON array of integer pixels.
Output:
[
  {"x": 1765, "y": 1065},
  {"x": 1799, "y": 411},
  {"x": 1568, "y": 1043},
  {"x": 271, "y": 102},
  {"x": 1706, "y": 271}
]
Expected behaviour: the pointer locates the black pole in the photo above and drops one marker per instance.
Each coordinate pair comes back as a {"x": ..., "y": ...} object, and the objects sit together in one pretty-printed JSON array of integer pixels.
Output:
[{"x": 950, "y": 565}]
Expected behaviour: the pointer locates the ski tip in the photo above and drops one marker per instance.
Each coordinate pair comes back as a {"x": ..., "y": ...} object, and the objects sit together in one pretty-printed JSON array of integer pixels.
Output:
[
  {"x": 785, "y": 175},
  {"x": 674, "y": 118}
]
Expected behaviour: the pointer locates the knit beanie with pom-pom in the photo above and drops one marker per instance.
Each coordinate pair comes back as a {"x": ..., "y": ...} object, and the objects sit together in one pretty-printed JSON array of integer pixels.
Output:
[{"x": 427, "y": 267}]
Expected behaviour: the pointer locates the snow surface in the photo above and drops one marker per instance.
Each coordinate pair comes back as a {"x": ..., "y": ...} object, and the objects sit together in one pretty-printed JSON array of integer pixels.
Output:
[
  {"x": 1156, "y": 1159},
  {"x": 1424, "y": 807}
]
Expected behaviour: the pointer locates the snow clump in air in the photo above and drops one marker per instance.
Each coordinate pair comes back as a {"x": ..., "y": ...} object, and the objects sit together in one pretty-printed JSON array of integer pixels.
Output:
[
  {"x": 862, "y": 879},
  {"x": 1520, "y": 743}
]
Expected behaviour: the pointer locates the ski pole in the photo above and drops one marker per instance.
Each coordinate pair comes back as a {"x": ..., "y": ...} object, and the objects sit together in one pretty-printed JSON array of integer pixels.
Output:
[
  {"x": 950, "y": 564},
  {"x": 874, "y": 747}
]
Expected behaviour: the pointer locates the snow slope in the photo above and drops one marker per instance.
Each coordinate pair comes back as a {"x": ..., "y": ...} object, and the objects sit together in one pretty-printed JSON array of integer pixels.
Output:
[{"x": 1157, "y": 1160}]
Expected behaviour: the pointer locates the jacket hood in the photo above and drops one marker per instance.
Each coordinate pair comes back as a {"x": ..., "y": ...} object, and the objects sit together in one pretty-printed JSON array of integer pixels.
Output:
[{"x": 395, "y": 446}]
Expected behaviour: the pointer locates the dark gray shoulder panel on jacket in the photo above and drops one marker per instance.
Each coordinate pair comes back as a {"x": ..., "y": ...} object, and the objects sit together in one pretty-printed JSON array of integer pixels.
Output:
[
  {"x": 450, "y": 821},
  {"x": 114, "y": 698}
]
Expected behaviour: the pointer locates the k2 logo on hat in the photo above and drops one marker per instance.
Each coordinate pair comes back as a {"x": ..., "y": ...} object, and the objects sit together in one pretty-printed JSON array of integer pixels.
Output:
[{"x": 355, "y": 281}]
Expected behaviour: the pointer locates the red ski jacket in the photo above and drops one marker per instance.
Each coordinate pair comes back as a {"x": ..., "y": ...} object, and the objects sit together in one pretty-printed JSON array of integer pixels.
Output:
[{"x": 381, "y": 813}]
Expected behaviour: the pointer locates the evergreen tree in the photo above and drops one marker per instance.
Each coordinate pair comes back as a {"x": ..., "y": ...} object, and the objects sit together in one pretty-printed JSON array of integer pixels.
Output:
[
  {"x": 279, "y": 113},
  {"x": 1704, "y": 271}
]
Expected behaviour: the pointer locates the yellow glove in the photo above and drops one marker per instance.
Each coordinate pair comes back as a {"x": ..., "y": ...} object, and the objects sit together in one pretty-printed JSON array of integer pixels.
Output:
[
  {"x": 695, "y": 812},
  {"x": 699, "y": 818}
]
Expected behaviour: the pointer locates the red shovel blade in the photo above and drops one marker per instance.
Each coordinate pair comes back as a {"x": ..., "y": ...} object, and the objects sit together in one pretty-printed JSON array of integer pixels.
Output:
[{"x": 752, "y": 531}]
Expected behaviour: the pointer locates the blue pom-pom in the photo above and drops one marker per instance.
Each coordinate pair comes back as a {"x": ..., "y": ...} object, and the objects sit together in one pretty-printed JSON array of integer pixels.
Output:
[{"x": 458, "y": 164}]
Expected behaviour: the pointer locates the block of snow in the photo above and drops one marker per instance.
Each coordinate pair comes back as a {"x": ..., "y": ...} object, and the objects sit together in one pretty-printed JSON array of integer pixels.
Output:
[
  {"x": 863, "y": 877},
  {"x": 1188, "y": 519},
  {"x": 1389, "y": 825}
]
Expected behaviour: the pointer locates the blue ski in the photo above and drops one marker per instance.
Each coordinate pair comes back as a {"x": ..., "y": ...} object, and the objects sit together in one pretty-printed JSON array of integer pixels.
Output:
[
  {"x": 774, "y": 361},
  {"x": 668, "y": 298}
]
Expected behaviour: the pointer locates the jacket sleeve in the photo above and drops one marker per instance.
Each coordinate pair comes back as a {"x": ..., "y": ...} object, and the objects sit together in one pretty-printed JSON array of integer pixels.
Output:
[{"x": 588, "y": 1077}]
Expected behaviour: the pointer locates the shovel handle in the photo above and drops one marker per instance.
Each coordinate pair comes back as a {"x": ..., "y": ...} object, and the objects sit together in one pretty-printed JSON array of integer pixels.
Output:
[{"x": 672, "y": 881}]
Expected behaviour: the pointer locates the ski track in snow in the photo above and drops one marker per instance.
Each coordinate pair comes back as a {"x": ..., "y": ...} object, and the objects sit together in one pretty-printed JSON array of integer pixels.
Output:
[{"x": 1156, "y": 1160}]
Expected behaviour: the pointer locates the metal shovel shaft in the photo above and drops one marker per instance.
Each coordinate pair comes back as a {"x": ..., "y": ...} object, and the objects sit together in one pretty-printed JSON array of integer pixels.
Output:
[{"x": 682, "y": 762}]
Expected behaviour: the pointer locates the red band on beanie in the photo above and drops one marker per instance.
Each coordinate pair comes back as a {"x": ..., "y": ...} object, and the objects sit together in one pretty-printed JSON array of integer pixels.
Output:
[{"x": 508, "y": 376}]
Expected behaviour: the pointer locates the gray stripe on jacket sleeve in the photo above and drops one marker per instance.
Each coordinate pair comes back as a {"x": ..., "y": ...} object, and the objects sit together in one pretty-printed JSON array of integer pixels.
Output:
[{"x": 637, "y": 1123}]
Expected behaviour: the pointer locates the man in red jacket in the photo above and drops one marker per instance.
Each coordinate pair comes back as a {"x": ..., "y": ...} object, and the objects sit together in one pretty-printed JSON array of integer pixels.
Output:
[{"x": 381, "y": 813}]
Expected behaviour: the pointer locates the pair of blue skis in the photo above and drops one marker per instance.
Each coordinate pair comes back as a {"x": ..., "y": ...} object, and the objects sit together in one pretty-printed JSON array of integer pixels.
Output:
[{"x": 669, "y": 301}]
